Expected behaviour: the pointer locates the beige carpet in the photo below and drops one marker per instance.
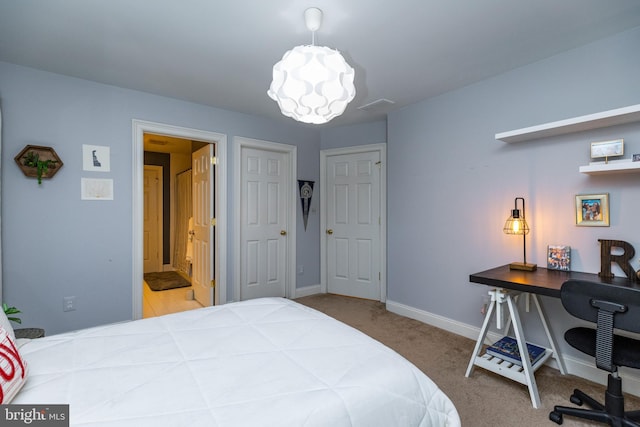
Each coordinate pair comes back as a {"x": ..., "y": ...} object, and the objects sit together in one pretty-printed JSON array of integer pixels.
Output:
[{"x": 484, "y": 399}]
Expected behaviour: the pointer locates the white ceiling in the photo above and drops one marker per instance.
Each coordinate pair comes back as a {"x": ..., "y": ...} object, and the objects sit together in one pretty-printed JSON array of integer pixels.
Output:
[{"x": 221, "y": 52}]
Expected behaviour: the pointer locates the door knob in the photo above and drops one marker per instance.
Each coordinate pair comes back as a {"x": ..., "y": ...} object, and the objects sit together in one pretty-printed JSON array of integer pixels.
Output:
[
  {"x": 329, "y": 231},
  {"x": 283, "y": 233}
]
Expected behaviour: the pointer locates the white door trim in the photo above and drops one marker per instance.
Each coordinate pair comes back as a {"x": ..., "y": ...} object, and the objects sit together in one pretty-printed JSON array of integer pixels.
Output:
[
  {"x": 324, "y": 154},
  {"x": 291, "y": 150},
  {"x": 140, "y": 127}
]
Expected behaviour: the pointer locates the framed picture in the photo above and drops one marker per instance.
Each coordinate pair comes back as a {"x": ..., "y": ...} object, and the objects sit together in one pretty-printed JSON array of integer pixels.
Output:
[
  {"x": 636, "y": 157},
  {"x": 96, "y": 189},
  {"x": 592, "y": 210},
  {"x": 559, "y": 257},
  {"x": 606, "y": 149},
  {"x": 96, "y": 158}
]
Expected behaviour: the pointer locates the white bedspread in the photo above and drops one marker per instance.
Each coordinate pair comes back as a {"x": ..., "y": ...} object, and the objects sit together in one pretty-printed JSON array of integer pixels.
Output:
[{"x": 266, "y": 362}]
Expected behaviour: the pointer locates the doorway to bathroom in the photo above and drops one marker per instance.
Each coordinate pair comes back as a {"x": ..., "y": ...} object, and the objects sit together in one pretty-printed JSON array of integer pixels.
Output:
[
  {"x": 176, "y": 221},
  {"x": 173, "y": 279}
]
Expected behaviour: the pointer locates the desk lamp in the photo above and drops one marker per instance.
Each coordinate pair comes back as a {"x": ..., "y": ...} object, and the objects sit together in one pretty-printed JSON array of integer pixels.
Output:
[{"x": 516, "y": 224}]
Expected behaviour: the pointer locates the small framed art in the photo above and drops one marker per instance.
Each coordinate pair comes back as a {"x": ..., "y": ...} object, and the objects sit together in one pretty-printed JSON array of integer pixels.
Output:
[
  {"x": 592, "y": 210},
  {"x": 96, "y": 158},
  {"x": 96, "y": 189},
  {"x": 559, "y": 257},
  {"x": 606, "y": 149}
]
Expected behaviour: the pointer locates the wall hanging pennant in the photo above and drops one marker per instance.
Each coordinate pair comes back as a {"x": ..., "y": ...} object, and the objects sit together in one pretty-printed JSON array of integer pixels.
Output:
[{"x": 306, "y": 191}]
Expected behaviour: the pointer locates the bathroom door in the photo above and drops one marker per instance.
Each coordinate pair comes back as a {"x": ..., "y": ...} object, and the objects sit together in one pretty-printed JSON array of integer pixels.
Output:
[
  {"x": 203, "y": 227},
  {"x": 152, "y": 222}
]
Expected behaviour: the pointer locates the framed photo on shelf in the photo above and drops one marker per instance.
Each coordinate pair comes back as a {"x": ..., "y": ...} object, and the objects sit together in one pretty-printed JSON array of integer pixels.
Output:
[
  {"x": 606, "y": 149},
  {"x": 559, "y": 257},
  {"x": 592, "y": 210}
]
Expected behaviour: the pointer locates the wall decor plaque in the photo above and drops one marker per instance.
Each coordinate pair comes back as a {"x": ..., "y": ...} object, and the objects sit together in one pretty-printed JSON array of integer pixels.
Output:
[{"x": 36, "y": 161}]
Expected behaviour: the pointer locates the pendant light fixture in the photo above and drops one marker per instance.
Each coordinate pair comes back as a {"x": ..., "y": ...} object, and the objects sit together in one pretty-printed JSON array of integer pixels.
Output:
[{"x": 312, "y": 84}]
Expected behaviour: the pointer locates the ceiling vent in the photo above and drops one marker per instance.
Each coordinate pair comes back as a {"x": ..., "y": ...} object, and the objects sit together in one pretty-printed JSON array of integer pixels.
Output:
[{"x": 377, "y": 106}]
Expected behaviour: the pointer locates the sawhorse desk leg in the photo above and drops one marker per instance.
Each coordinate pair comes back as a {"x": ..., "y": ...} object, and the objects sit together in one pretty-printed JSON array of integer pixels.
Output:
[
  {"x": 526, "y": 376},
  {"x": 543, "y": 319}
]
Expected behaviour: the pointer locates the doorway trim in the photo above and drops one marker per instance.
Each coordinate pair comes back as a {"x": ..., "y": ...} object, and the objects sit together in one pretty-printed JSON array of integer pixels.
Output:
[
  {"x": 140, "y": 127},
  {"x": 242, "y": 142},
  {"x": 324, "y": 154}
]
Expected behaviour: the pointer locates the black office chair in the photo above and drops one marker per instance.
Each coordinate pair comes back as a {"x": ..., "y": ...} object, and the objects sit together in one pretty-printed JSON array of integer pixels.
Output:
[{"x": 609, "y": 307}]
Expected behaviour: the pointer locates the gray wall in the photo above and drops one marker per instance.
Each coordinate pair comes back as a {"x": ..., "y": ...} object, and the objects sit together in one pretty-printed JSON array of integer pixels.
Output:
[
  {"x": 56, "y": 245},
  {"x": 452, "y": 185},
  {"x": 349, "y": 136}
]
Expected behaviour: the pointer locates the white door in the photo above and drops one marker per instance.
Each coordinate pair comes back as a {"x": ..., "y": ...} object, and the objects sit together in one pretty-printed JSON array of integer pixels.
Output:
[
  {"x": 152, "y": 219},
  {"x": 203, "y": 229},
  {"x": 263, "y": 211},
  {"x": 353, "y": 225}
]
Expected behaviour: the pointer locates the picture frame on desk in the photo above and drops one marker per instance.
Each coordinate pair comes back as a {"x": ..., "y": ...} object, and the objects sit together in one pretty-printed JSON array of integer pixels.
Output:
[
  {"x": 559, "y": 257},
  {"x": 592, "y": 210}
]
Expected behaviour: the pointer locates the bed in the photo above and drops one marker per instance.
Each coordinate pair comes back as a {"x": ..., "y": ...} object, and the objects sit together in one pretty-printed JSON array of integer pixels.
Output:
[{"x": 262, "y": 362}]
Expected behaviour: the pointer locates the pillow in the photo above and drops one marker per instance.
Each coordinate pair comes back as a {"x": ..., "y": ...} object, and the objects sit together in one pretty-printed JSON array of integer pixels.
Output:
[
  {"x": 13, "y": 370},
  {"x": 5, "y": 323}
]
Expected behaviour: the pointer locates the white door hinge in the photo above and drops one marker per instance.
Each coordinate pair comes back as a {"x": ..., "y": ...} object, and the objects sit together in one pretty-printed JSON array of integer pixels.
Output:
[
  {"x": 213, "y": 222},
  {"x": 214, "y": 160}
]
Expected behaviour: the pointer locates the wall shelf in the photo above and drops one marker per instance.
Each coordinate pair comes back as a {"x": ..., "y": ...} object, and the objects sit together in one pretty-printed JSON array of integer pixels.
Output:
[
  {"x": 603, "y": 119},
  {"x": 614, "y": 166}
]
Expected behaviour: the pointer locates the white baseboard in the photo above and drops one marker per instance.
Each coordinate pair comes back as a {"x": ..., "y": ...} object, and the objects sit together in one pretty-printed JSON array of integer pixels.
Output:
[
  {"x": 307, "y": 290},
  {"x": 581, "y": 368}
]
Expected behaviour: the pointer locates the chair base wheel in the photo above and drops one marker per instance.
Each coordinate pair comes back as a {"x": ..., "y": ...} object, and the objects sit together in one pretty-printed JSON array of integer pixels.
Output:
[
  {"x": 556, "y": 417},
  {"x": 576, "y": 400}
]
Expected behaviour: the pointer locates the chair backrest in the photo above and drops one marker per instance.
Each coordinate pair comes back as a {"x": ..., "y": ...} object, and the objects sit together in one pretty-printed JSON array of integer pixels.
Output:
[
  {"x": 609, "y": 306},
  {"x": 582, "y": 299}
]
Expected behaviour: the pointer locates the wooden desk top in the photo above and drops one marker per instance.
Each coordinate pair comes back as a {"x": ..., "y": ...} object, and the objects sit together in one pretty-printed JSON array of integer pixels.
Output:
[{"x": 541, "y": 281}]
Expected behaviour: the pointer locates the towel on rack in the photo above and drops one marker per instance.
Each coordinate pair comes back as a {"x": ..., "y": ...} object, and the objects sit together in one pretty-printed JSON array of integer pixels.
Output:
[{"x": 190, "y": 233}]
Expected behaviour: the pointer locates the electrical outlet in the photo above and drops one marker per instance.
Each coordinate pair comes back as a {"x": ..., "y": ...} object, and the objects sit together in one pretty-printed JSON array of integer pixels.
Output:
[
  {"x": 69, "y": 303},
  {"x": 485, "y": 305}
]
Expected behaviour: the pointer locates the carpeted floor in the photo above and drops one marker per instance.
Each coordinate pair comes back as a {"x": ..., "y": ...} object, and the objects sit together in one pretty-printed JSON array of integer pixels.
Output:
[
  {"x": 484, "y": 399},
  {"x": 163, "y": 280}
]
